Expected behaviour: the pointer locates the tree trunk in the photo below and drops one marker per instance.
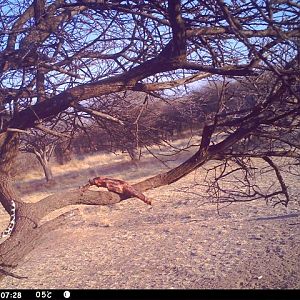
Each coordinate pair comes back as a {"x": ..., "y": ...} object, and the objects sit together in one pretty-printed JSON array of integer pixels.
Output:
[
  {"x": 44, "y": 158},
  {"x": 47, "y": 170},
  {"x": 134, "y": 155}
]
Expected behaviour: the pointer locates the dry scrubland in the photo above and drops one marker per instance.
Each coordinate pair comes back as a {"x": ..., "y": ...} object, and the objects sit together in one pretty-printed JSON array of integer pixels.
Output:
[{"x": 180, "y": 242}]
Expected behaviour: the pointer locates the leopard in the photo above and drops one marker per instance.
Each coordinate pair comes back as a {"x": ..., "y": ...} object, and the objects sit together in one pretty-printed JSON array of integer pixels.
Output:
[
  {"x": 12, "y": 222},
  {"x": 118, "y": 186}
]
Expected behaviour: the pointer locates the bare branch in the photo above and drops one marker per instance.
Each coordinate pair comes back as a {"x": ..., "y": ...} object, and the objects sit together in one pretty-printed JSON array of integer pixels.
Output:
[
  {"x": 50, "y": 131},
  {"x": 284, "y": 189},
  {"x": 17, "y": 130},
  {"x": 97, "y": 113}
]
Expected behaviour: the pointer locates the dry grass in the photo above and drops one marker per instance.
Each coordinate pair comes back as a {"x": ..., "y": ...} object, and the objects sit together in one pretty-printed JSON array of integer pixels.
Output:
[
  {"x": 76, "y": 172},
  {"x": 92, "y": 161}
]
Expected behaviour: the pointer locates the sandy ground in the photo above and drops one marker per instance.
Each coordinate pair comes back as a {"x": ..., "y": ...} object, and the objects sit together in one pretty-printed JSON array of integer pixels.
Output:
[{"x": 180, "y": 242}]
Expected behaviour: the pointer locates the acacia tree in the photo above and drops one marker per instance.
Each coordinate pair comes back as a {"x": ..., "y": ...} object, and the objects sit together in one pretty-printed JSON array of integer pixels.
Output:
[
  {"x": 43, "y": 150},
  {"x": 42, "y": 143},
  {"x": 58, "y": 54}
]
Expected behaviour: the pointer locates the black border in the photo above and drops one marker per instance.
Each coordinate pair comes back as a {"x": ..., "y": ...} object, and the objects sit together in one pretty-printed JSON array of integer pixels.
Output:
[{"x": 161, "y": 294}]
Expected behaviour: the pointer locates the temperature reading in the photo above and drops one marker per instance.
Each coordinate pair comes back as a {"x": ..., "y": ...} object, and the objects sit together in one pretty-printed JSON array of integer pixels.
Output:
[{"x": 43, "y": 295}]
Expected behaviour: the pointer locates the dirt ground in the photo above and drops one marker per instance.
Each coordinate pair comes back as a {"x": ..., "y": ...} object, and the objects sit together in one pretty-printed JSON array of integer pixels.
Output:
[{"x": 179, "y": 242}]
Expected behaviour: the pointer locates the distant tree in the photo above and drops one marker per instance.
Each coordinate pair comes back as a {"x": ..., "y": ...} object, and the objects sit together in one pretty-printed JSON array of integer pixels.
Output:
[
  {"x": 62, "y": 153},
  {"x": 43, "y": 150}
]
